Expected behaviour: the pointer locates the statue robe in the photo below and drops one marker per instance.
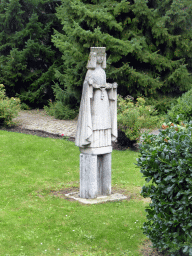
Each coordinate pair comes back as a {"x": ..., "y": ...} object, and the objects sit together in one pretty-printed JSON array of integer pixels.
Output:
[{"x": 97, "y": 121}]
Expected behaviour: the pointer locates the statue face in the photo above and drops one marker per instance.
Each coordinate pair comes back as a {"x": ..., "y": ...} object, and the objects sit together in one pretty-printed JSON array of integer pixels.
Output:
[{"x": 99, "y": 59}]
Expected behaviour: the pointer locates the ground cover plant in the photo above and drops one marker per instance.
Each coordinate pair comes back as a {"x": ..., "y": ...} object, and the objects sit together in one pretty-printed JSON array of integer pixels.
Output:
[
  {"x": 35, "y": 220},
  {"x": 165, "y": 160}
]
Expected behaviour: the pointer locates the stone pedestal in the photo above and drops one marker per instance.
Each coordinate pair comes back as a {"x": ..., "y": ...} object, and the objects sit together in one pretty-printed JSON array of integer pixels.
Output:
[{"x": 95, "y": 175}]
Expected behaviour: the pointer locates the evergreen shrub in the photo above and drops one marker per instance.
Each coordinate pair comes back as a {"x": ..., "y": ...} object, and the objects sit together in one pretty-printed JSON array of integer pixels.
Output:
[
  {"x": 166, "y": 163},
  {"x": 27, "y": 55},
  {"x": 65, "y": 106},
  {"x": 24, "y": 106},
  {"x": 60, "y": 110},
  {"x": 50, "y": 108},
  {"x": 132, "y": 117},
  {"x": 162, "y": 103},
  {"x": 64, "y": 111},
  {"x": 182, "y": 110},
  {"x": 148, "y": 44},
  {"x": 9, "y": 108}
]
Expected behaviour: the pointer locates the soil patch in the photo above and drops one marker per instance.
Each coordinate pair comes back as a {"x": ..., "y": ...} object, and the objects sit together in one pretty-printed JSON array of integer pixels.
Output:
[{"x": 147, "y": 250}]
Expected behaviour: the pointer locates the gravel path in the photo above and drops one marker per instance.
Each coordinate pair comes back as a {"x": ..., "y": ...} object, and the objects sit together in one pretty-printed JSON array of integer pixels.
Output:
[{"x": 38, "y": 120}]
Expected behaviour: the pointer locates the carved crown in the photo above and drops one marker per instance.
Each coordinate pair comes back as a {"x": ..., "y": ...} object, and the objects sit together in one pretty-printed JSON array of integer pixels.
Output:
[
  {"x": 94, "y": 51},
  {"x": 98, "y": 50}
]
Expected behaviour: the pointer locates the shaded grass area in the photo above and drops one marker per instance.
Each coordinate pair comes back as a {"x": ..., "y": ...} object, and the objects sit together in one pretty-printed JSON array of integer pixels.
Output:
[{"x": 35, "y": 222}]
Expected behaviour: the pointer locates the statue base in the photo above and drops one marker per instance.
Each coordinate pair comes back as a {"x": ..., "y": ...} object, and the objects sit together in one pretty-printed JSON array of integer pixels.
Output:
[
  {"x": 100, "y": 199},
  {"x": 95, "y": 175}
]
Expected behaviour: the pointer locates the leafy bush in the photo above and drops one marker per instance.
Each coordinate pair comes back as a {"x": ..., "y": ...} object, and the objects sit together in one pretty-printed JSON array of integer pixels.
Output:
[
  {"x": 166, "y": 162},
  {"x": 133, "y": 117},
  {"x": 182, "y": 110},
  {"x": 8, "y": 108}
]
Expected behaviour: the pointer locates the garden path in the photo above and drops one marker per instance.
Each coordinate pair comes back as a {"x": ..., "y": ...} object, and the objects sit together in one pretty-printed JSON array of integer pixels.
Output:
[{"x": 39, "y": 120}]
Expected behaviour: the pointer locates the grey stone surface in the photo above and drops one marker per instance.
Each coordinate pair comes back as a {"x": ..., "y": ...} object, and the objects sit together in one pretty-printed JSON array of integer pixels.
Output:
[
  {"x": 95, "y": 175},
  {"x": 88, "y": 176},
  {"x": 104, "y": 174},
  {"x": 99, "y": 199},
  {"x": 97, "y": 120},
  {"x": 96, "y": 151},
  {"x": 96, "y": 127}
]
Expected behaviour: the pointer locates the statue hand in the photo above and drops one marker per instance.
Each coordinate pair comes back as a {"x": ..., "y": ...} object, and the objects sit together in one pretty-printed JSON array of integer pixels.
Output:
[
  {"x": 115, "y": 85},
  {"x": 91, "y": 81}
]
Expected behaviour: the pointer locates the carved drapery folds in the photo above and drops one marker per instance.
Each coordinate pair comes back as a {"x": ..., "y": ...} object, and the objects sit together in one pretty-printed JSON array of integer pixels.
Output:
[{"x": 98, "y": 109}]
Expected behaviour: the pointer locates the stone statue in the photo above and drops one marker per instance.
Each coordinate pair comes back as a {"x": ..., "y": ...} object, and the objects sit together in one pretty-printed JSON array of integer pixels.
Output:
[{"x": 97, "y": 127}]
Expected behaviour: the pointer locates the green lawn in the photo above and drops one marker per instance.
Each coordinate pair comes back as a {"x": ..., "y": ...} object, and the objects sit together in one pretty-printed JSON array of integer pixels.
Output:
[{"x": 35, "y": 222}]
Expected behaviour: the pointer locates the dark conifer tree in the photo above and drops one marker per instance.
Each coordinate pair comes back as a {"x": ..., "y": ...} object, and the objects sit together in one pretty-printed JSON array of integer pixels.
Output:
[
  {"x": 148, "y": 43},
  {"x": 27, "y": 55}
]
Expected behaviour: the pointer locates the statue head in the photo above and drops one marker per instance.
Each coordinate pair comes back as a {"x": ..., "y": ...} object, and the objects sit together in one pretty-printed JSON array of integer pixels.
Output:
[{"x": 94, "y": 53}]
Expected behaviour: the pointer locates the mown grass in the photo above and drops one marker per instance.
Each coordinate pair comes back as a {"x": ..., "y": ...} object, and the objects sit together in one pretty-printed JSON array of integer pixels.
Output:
[{"x": 35, "y": 222}]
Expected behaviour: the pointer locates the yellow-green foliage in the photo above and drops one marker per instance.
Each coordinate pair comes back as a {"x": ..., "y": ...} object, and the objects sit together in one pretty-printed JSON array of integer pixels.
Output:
[
  {"x": 132, "y": 117},
  {"x": 9, "y": 107}
]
